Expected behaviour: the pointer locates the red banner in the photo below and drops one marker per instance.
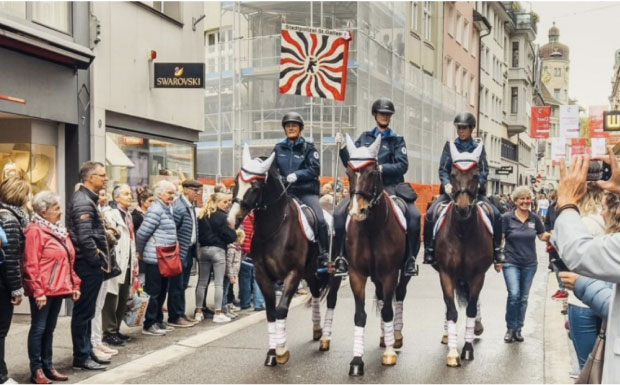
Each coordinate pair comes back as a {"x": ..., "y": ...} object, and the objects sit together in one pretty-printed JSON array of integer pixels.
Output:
[
  {"x": 578, "y": 146},
  {"x": 539, "y": 124},
  {"x": 597, "y": 129}
]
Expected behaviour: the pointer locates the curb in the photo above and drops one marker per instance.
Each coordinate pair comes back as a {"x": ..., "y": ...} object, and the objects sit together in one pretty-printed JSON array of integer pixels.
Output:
[{"x": 556, "y": 343}]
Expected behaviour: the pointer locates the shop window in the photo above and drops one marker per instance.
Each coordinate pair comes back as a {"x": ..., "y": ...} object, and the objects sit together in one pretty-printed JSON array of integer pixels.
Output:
[
  {"x": 53, "y": 14},
  {"x": 38, "y": 161}
]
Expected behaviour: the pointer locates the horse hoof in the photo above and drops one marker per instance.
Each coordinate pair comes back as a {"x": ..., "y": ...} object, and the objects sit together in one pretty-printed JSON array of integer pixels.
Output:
[
  {"x": 453, "y": 362},
  {"x": 317, "y": 334},
  {"x": 356, "y": 368},
  {"x": 324, "y": 346},
  {"x": 467, "y": 355},
  {"x": 398, "y": 343},
  {"x": 270, "y": 360},
  {"x": 388, "y": 360},
  {"x": 478, "y": 329},
  {"x": 381, "y": 342},
  {"x": 283, "y": 359},
  {"x": 444, "y": 340}
]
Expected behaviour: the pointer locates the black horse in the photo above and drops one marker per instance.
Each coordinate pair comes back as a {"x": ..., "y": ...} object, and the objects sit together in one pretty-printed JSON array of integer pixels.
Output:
[{"x": 280, "y": 250}]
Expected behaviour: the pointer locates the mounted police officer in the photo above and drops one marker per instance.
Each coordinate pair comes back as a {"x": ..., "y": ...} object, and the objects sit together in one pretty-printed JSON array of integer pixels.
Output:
[
  {"x": 465, "y": 123},
  {"x": 393, "y": 163},
  {"x": 298, "y": 163}
]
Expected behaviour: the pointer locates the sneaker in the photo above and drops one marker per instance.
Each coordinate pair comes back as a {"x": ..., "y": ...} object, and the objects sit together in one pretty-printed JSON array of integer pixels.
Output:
[
  {"x": 560, "y": 295},
  {"x": 231, "y": 315},
  {"x": 555, "y": 295},
  {"x": 100, "y": 354},
  {"x": 10, "y": 381},
  {"x": 181, "y": 323},
  {"x": 220, "y": 318},
  {"x": 191, "y": 320},
  {"x": 198, "y": 316},
  {"x": 154, "y": 331},
  {"x": 108, "y": 350},
  {"x": 233, "y": 307},
  {"x": 163, "y": 326}
]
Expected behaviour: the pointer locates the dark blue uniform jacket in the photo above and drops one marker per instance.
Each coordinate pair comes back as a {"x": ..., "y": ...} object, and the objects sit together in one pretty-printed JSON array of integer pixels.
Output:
[
  {"x": 445, "y": 164},
  {"x": 300, "y": 158}
]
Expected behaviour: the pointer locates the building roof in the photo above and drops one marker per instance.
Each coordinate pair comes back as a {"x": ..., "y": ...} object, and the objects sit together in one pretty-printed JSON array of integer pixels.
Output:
[
  {"x": 554, "y": 49},
  {"x": 547, "y": 97}
]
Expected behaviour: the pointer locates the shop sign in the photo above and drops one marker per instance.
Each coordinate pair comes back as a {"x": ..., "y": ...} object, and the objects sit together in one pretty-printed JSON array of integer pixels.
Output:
[
  {"x": 504, "y": 170},
  {"x": 612, "y": 120},
  {"x": 179, "y": 75},
  {"x": 132, "y": 141}
]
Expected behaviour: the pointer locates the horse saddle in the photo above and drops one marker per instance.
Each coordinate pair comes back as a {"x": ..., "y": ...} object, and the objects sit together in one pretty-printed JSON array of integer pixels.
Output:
[
  {"x": 484, "y": 210},
  {"x": 308, "y": 220}
]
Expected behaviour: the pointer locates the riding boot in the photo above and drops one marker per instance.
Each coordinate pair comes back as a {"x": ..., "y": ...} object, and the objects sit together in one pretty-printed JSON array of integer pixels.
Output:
[
  {"x": 323, "y": 243},
  {"x": 429, "y": 242},
  {"x": 411, "y": 268},
  {"x": 341, "y": 265},
  {"x": 498, "y": 251}
]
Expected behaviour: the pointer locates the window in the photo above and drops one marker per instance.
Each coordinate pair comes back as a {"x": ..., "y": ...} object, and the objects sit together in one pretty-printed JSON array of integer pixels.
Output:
[
  {"x": 515, "y": 54},
  {"x": 450, "y": 73},
  {"x": 13, "y": 8},
  {"x": 472, "y": 91},
  {"x": 459, "y": 27},
  {"x": 169, "y": 8},
  {"x": 458, "y": 79},
  {"x": 414, "y": 16},
  {"x": 514, "y": 100},
  {"x": 483, "y": 58},
  {"x": 466, "y": 35},
  {"x": 556, "y": 93},
  {"x": 451, "y": 20},
  {"x": 474, "y": 46},
  {"x": 428, "y": 20},
  {"x": 557, "y": 72},
  {"x": 465, "y": 84},
  {"x": 53, "y": 14}
]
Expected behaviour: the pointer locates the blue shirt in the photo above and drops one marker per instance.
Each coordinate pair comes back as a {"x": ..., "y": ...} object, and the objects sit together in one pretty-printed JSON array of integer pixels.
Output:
[
  {"x": 385, "y": 134},
  {"x": 467, "y": 145},
  {"x": 520, "y": 247}
]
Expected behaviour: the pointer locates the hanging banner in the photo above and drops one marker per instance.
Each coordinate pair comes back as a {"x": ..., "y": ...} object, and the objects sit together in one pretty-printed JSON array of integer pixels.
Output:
[
  {"x": 540, "y": 122},
  {"x": 578, "y": 146},
  {"x": 598, "y": 146},
  {"x": 313, "y": 62},
  {"x": 558, "y": 149},
  {"x": 597, "y": 128},
  {"x": 569, "y": 121}
]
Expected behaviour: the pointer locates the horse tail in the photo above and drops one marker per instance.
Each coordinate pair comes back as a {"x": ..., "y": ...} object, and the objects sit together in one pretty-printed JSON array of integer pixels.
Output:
[{"x": 462, "y": 292}]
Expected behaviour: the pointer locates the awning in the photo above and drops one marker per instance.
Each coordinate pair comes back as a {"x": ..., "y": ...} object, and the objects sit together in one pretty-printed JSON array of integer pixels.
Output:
[{"x": 114, "y": 156}]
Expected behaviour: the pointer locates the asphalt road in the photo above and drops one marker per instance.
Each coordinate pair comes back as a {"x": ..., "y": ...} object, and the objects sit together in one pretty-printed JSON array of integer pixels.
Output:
[{"x": 239, "y": 357}]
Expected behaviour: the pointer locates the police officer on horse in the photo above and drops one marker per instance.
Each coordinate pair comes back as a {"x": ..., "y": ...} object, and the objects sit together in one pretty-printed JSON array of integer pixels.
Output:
[
  {"x": 393, "y": 163},
  {"x": 465, "y": 123},
  {"x": 298, "y": 164}
]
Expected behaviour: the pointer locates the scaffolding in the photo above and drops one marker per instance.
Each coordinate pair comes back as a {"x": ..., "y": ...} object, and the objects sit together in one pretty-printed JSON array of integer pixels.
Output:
[{"x": 243, "y": 105}]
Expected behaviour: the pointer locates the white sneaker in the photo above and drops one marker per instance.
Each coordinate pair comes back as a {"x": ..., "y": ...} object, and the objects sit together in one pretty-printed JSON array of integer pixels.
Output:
[
  {"x": 198, "y": 316},
  {"x": 233, "y": 308},
  {"x": 101, "y": 354},
  {"x": 11, "y": 381},
  {"x": 220, "y": 318},
  {"x": 231, "y": 315},
  {"x": 108, "y": 350}
]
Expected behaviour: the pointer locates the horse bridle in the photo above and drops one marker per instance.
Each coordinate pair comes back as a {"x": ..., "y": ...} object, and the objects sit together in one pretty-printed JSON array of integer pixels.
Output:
[
  {"x": 373, "y": 197},
  {"x": 462, "y": 189},
  {"x": 260, "y": 205}
]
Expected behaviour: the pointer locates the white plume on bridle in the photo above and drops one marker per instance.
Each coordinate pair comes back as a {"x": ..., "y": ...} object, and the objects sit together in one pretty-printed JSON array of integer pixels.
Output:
[
  {"x": 254, "y": 166},
  {"x": 360, "y": 156},
  {"x": 465, "y": 160}
]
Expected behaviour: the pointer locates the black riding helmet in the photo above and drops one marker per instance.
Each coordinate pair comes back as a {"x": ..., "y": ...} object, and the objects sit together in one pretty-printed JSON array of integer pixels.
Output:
[
  {"x": 465, "y": 119},
  {"x": 384, "y": 106},
  {"x": 293, "y": 117}
]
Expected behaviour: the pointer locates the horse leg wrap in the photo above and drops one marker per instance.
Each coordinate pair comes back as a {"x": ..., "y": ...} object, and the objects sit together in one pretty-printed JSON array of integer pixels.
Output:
[
  {"x": 478, "y": 313},
  {"x": 452, "y": 335},
  {"x": 327, "y": 326},
  {"x": 316, "y": 313},
  {"x": 398, "y": 316},
  {"x": 280, "y": 333},
  {"x": 271, "y": 329},
  {"x": 380, "y": 306},
  {"x": 470, "y": 324},
  {"x": 389, "y": 333},
  {"x": 358, "y": 341}
]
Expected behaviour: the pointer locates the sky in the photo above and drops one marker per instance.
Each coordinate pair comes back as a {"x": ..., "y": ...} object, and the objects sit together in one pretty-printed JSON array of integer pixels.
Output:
[{"x": 590, "y": 30}]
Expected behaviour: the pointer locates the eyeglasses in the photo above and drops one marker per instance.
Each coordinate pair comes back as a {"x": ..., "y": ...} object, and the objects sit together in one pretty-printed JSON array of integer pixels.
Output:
[{"x": 99, "y": 175}]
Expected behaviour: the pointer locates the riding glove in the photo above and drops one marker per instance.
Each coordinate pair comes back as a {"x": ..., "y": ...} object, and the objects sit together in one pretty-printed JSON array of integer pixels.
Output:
[
  {"x": 291, "y": 178},
  {"x": 448, "y": 189}
]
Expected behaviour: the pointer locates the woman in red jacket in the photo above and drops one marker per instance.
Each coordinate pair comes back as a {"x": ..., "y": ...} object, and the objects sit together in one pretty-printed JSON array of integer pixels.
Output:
[{"x": 48, "y": 278}]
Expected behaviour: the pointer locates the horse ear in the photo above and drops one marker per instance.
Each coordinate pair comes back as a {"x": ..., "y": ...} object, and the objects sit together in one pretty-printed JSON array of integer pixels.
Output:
[
  {"x": 478, "y": 151},
  {"x": 374, "y": 147},
  {"x": 247, "y": 158},
  {"x": 266, "y": 165},
  {"x": 350, "y": 145}
]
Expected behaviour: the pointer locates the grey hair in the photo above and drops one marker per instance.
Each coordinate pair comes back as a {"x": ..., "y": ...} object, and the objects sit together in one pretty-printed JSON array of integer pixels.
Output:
[
  {"x": 520, "y": 191},
  {"x": 120, "y": 188},
  {"x": 44, "y": 200},
  {"x": 162, "y": 186},
  {"x": 87, "y": 169}
]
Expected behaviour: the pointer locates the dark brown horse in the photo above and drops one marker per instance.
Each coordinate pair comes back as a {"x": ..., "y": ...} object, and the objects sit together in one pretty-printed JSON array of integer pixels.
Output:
[
  {"x": 375, "y": 246},
  {"x": 464, "y": 252},
  {"x": 280, "y": 250}
]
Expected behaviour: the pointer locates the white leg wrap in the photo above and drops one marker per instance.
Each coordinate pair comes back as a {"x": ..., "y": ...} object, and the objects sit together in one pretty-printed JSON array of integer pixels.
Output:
[
  {"x": 470, "y": 324},
  {"x": 358, "y": 341},
  {"x": 380, "y": 306},
  {"x": 389, "y": 334},
  {"x": 452, "y": 335},
  {"x": 478, "y": 313},
  {"x": 271, "y": 329},
  {"x": 281, "y": 333},
  {"x": 327, "y": 325},
  {"x": 445, "y": 327},
  {"x": 398, "y": 316},
  {"x": 316, "y": 313}
]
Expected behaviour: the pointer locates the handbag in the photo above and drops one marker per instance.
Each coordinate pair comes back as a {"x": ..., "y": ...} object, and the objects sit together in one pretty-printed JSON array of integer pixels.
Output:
[
  {"x": 136, "y": 309},
  {"x": 114, "y": 270},
  {"x": 592, "y": 372},
  {"x": 169, "y": 259}
]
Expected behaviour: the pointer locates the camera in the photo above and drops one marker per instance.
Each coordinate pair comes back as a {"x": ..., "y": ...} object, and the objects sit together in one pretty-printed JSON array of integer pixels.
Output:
[
  {"x": 598, "y": 170},
  {"x": 558, "y": 265}
]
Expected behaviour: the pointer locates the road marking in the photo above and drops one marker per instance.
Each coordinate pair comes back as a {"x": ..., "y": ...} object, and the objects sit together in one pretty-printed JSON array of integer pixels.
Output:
[{"x": 155, "y": 360}]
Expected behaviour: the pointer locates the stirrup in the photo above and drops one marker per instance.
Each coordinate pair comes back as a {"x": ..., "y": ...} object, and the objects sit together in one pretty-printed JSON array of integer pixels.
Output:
[
  {"x": 341, "y": 262},
  {"x": 414, "y": 268},
  {"x": 429, "y": 256},
  {"x": 498, "y": 256}
]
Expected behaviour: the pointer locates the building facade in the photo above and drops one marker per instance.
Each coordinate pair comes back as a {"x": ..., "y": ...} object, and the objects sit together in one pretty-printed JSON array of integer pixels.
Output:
[
  {"x": 145, "y": 133},
  {"x": 424, "y": 38},
  {"x": 614, "y": 99}
]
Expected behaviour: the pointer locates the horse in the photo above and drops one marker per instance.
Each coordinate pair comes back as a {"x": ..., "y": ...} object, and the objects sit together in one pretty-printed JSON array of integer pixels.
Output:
[
  {"x": 376, "y": 247},
  {"x": 280, "y": 251},
  {"x": 464, "y": 252}
]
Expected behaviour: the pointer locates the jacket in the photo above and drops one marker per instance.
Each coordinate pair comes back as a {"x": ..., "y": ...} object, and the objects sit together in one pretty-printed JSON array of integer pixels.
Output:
[
  {"x": 233, "y": 260},
  {"x": 594, "y": 293},
  {"x": 183, "y": 221},
  {"x": 248, "y": 229},
  {"x": 125, "y": 249},
  {"x": 48, "y": 265},
  {"x": 445, "y": 164},
  {"x": 221, "y": 234},
  {"x": 86, "y": 228},
  {"x": 11, "y": 268},
  {"x": 301, "y": 158},
  {"x": 550, "y": 217},
  {"x": 599, "y": 258},
  {"x": 392, "y": 155},
  {"x": 158, "y": 229}
]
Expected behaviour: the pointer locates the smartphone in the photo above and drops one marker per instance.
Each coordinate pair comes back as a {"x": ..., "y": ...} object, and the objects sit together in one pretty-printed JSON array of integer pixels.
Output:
[
  {"x": 598, "y": 170},
  {"x": 558, "y": 265}
]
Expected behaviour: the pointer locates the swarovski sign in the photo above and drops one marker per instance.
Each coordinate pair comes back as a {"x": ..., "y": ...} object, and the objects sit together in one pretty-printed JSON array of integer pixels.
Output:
[{"x": 179, "y": 75}]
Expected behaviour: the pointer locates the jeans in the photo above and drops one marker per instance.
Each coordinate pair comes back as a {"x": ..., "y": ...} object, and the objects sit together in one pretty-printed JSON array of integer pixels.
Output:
[
  {"x": 84, "y": 310},
  {"x": 584, "y": 328},
  {"x": 248, "y": 286},
  {"x": 518, "y": 282},
  {"x": 96, "y": 333},
  {"x": 211, "y": 257},
  {"x": 176, "y": 295},
  {"x": 115, "y": 307},
  {"x": 6, "y": 314},
  {"x": 156, "y": 287},
  {"x": 40, "y": 337},
  {"x": 229, "y": 293}
]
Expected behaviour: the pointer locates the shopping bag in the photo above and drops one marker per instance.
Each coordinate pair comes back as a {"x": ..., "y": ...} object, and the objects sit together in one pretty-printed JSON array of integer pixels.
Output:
[{"x": 136, "y": 309}]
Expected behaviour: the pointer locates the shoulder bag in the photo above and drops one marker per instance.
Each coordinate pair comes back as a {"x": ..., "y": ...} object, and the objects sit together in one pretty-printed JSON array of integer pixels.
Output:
[
  {"x": 592, "y": 372},
  {"x": 168, "y": 259}
]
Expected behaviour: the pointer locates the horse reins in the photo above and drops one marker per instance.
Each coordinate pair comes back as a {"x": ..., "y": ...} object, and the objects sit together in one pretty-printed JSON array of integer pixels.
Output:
[{"x": 373, "y": 197}]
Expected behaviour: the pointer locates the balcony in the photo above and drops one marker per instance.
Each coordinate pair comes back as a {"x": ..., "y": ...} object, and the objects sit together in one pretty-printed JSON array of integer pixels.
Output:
[
  {"x": 520, "y": 73},
  {"x": 524, "y": 22},
  {"x": 517, "y": 123}
]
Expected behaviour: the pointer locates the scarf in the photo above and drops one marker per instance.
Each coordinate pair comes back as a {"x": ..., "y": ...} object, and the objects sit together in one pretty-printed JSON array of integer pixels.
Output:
[
  {"x": 128, "y": 221},
  {"x": 22, "y": 215},
  {"x": 57, "y": 228}
]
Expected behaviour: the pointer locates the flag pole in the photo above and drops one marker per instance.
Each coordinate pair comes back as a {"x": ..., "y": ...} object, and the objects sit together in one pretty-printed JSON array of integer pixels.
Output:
[{"x": 331, "y": 238}]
